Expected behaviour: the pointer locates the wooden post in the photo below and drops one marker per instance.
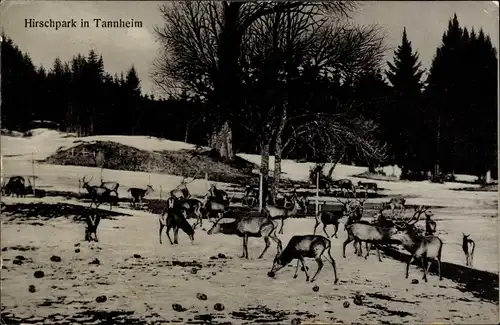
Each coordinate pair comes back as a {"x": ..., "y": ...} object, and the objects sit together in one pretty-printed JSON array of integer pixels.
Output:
[
  {"x": 261, "y": 183},
  {"x": 317, "y": 193},
  {"x": 33, "y": 170},
  {"x": 160, "y": 191}
]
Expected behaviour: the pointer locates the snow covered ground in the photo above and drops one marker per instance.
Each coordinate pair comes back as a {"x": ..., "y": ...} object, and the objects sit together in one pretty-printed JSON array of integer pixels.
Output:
[{"x": 149, "y": 287}]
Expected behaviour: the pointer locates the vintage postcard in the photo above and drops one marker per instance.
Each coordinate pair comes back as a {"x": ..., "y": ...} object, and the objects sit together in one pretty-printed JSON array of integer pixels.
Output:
[{"x": 261, "y": 162}]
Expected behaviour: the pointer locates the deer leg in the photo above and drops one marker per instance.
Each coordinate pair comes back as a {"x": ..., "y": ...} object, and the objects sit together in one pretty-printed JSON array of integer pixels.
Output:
[
  {"x": 304, "y": 267},
  {"x": 320, "y": 266},
  {"x": 268, "y": 243},
  {"x": 324, "y": 230},
  {"x": 378, "y": 253},
  {"x": 243, "y": 242},
  {"x": 424, "y": 266},
  {"x": 282, "y": 223},
  {"x": 470, "y": 259},
  {"x": 336, "y": 230},
  {"x": 408, "y": 265},
  {"x": 296, "y": 270},
  {"x": 161, "y": 229},
  {"x": 439, "y": 268},
  {"x": 168, "y": 234},
  {"x": 316, "y": 226},
  {"x": 367, "y": 246},
  {"x": 347, "y": 241},
  {"x": 246, "y": 246},
  {"x": 277, "y": 241},
  {"x": 176, "y": 235}
]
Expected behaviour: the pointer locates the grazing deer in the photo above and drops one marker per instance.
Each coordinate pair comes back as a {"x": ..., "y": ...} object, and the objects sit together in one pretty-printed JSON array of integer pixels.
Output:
[
  {"x": 138, "y": 194},
  {"x": 92, "y": 224},
  {"x": 181, "y": 191},
  {"x": 397, "y": 202},
  {"x": 282, "y": 213},
  {"x": 251, "y": 196},
  {"x": 368, "y": 186},
  {"x": 219, "y": 195},
  {"x": 468, "y": 245},
  {"x": 300, "y": 247},
  {"x": 111, "y": 186},
  {"x": 345, "y": 186},
  {"x": 423, "y": 247},
  {"x": 363, "y": 232},
  {"x": 97, "y": 194},
  {"x": 175, "y": 218},
  {"x": 251, "y": 224}
]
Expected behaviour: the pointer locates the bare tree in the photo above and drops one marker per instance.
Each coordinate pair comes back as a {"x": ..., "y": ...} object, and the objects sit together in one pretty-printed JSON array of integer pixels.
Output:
[{"x": 202, "y": 51}]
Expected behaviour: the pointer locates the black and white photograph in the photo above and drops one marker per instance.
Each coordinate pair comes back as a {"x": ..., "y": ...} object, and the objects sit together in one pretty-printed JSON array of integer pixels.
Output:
[{"x": 249, "y": 162}]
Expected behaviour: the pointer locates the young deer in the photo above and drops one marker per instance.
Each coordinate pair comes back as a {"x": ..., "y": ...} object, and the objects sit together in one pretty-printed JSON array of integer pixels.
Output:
[
  {"x": 97, "y": 194},
  {"x": 363, "y": 232},
  {"x": 138, "y": 194},
  {"x": 468, "y": 245},
  {"x": 91, "y": 228},
  {"x": 423, "y": 247},
  {"x": 181, "y": 191},
  {"x": 252, "y": 224},
  {"x": 300, "y": 247},
  {"x": 175, "y": 218},
  {"x": 282, "y": 213}
]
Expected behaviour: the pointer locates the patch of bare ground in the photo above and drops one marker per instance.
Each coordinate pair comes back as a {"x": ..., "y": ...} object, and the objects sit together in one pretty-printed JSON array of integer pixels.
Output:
[{"x": 189, "y": 163}]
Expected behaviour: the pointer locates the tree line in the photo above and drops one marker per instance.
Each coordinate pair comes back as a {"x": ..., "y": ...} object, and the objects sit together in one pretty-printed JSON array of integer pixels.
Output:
[{"x": 291, "y": 79}]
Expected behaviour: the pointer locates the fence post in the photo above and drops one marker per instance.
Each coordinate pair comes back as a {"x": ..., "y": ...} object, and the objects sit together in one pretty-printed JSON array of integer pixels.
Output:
[
  {"x": 33, "y": 171},
  {"x": 161, "y": 188},
  {"x": 207, "y": 185},
  {"x": 317, "y": 193},
  {"x": 261, "y": 181}
]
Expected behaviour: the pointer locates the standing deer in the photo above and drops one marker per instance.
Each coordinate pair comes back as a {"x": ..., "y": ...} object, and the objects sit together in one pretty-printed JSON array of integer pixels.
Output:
[
  {"x": 111, "y": 186},
  {"x": 219, "y": 195},
  {"x": 300, "y": 247},
  {"x": 91, "y": 228},
  {"x": 282, "y": 213},
  {"x": 423, "y": 247},
  {"x": 138, "y": 194},
  {"x": 345, "y": 186},
  {"x": 175, "y": 218},
  {"x": 430, "y": 225},
  {"x": 17, "y": 186},
  {"x": 468, "y": 245},
  {"x": 97, "y": 194},
  {"x": 363, "y": 232},
  {"x": 397, "y": 202},
  {"x": 251, "y": 196},
  {"x": 193, "y": 207},
  {"x": 368, "y": 186},
  {"x": 332, "y": 218},
  {"x": 181, "y": 191},
  {"x": 251, "y": 224}
]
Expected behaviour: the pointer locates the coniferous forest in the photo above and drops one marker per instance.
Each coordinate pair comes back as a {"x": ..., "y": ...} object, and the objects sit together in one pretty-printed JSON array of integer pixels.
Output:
[{"x": 441, "y": 118}]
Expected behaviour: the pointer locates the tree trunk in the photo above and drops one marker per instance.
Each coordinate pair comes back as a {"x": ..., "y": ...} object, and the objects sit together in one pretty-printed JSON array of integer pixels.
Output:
[
  {"x": 264, "y": 170},
  {"x": 330, "y": 172},
  {"x": 222, "y": 141},
  {"x": 278, "y": 151}
]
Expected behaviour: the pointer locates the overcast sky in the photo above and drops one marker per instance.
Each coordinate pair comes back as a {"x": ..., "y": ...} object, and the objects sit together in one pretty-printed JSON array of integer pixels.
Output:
[{"x": 425, "y": 22}]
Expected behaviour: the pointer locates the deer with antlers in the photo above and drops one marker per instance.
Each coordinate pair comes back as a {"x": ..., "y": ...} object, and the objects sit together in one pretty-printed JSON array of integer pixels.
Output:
[
  {"x": 300, "y": 247},
  {"x": 174, "y": 217},
  {"x": 282, "y": 213},
  {"x": 430, "y": 225},
  {"x": 468, "y": 246},
  {"x": 97, "y": 194},
  {"x": 423, "y": 247},
  {"x": 138, "y": 194},
  {"x": 251, "y": 224},
  {"x": 181, "y": 191}
]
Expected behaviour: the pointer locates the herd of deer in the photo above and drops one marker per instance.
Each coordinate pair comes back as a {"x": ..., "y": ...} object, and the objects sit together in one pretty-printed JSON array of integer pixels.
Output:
[{"x": 263, "y": 224}]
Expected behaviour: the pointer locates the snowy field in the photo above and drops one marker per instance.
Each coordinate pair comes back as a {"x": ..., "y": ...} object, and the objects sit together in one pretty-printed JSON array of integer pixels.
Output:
[{"x": 148, "y": 285}]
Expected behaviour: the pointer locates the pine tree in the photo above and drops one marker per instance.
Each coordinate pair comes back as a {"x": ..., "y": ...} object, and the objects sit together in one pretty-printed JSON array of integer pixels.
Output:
[{"x": 405, "y": 74}]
